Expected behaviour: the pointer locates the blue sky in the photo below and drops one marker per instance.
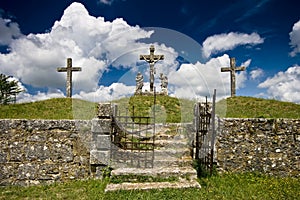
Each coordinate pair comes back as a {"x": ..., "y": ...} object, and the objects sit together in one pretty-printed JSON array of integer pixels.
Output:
[{"x": 106, "y": 37}]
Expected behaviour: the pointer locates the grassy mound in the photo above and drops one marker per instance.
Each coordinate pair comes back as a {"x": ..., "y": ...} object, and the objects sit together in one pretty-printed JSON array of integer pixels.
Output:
[
  {"x": 167, "y": 109},
  {"x": 57, "y": 108},
  {"x": 250, "y": 107}
]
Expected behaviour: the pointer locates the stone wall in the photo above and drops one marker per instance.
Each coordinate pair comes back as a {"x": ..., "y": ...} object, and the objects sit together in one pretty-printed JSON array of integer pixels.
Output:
[
  {"x": 44, "y": 151},
  {"x": 270, "y": 146}
]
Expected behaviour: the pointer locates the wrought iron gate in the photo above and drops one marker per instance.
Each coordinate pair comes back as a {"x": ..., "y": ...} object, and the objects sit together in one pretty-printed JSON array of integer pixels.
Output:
[
  {"x": 133, "y": 139},
  {"x": 205, "y": 133}
]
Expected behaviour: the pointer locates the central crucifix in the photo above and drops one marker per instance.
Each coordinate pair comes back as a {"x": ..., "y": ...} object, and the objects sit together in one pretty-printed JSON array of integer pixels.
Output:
[
  {"x": 232, "y": 69},
  {"x": 151, "y": 59}
]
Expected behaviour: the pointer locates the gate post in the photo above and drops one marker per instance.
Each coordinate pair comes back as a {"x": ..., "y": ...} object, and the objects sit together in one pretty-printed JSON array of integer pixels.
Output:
[{"x": 101, "y": 141}]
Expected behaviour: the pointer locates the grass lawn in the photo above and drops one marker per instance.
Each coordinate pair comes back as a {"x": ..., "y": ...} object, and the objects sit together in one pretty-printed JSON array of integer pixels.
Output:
[
  {"x": 250, "y": 107},
  {"x": 168, "y": 109},
  {"x": 226, "y": 186}
]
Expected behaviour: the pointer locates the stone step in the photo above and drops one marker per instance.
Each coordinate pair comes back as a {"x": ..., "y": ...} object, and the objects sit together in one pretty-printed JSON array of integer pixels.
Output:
[
  {"x": 161, "y": 152},
  {"x": 158, "y": 158},
  {"x": 157, "y": 172},
  {"x": 178, "y": 153},
  {"x": 163, "y": 162},
  {"x": 171, "y": 143},
  {"x": 153, "y": 185}
]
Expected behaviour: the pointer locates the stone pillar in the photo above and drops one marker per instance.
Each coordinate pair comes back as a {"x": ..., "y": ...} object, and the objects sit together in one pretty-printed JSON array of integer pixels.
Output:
[{"x": 101, "y": 141}]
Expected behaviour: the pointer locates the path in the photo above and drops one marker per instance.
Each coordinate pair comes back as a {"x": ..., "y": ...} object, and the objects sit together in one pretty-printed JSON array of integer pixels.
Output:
[{"x": 172, "y": 165}]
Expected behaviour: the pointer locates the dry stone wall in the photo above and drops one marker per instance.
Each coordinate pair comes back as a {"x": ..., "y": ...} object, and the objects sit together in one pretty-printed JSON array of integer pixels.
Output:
[
  {"x": 270, "y": 146},
  {"x": 46, "y": 151},
  {"x": 43, "y": 151}
]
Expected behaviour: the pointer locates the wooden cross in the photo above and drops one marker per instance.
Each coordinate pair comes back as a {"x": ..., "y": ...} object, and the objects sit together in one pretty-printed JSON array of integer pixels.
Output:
[
  {"x": 151, "y": 59},
  {"x": 69, "y": 69},
  {"x": 232, "y": 69}
]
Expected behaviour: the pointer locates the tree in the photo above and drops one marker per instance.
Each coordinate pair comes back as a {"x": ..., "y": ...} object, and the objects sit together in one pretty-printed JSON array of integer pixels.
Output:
[{"x": 9, "y": 89}]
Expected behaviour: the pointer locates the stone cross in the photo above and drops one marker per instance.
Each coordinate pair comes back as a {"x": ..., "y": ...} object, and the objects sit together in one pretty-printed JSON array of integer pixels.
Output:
[
  {"x": 232, "y": 69},
  {"x": 69, "y": 69},
  {"x": 151, "y": 59}
]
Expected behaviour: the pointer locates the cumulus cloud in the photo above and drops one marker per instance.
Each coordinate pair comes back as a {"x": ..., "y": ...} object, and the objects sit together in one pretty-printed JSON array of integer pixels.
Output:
[
  {"x": 241, "y": 76},
  {"x": 100, "y": 46},
  {"x": 295, "y": 39},
  {"x": 93, "y": 43},
  {"x": 26, "y": 97},
  {"x": 223, "y": 42},
  {"x": 200, "y": 79},
  {"x": 256, "y": 74},
  {"x": 105, "y": 94},
  {"x": 284, "y": 85},
  {"x": 8, "y": 31}
]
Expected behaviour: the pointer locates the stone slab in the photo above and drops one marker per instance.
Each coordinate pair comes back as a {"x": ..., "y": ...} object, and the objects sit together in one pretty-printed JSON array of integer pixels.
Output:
[
  {"x": 101, "y": 126},
  {"x": 103, "y": 142},
  {"x": 99, "y": 157},
  {"x": 153, "y": 185}
]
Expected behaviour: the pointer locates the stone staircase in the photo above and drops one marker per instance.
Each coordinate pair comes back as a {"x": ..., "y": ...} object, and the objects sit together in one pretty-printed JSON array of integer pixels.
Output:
[{"x": 172, "y": 165}]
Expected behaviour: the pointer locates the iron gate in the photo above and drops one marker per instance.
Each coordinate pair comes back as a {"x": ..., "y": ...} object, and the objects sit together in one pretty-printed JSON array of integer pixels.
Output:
[
  {"x": 133, "y": 139},
  {"x": 205, "y": 133}
]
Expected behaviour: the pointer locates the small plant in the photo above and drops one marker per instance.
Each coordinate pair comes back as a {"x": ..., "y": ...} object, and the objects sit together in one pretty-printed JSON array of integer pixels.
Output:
[{"x": 106, "y": 172}]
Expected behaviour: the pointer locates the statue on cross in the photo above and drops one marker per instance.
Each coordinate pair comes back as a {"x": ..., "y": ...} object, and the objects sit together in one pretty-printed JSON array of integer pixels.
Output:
[
  {"x": 69, "y": 69},
  {"x": 151, "y": 59},
  {"x": 232, "y": 69}
]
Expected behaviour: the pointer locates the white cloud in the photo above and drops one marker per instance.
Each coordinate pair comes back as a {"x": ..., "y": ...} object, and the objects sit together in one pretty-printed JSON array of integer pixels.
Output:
[
  {"x": 94, "y": 44},
  {"x": 284, "y": 85},
  {"x": 107, "y": 2},
  {"x": 256, "y": 74},
  {"x": 91, "y": 42},
  {"x": 295, "y": 39},
  {"x": 104, "y": 94},
  {"x": 200, "y": 79},
  {"x": 8, "y": 31},
  {"x": 223, "y": 42},
  {"x": 241, "y": 76},
  {"x": 26, "y": 97}
]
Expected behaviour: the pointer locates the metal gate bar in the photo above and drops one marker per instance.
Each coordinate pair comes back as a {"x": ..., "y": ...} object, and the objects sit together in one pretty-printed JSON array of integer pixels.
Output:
[
  {"x": 205, "y": 133},
  {"x": 133, "y": 139}
]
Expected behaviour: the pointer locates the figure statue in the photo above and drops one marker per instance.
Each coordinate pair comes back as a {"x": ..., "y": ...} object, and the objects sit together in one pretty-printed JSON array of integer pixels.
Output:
[
  {"x": 139, "y": 83},
  {"x": 164, "y": 83}
]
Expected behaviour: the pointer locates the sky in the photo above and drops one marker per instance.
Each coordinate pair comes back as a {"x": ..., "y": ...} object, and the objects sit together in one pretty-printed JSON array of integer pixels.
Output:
[{"x": 106, "y": 37}]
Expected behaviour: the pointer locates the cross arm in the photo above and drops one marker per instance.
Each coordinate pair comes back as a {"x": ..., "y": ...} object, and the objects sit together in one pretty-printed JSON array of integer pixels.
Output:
[
  {"x": 225, "y": 69},
  {"x": 242, "y": 68},
  {"x": 76, "y": 69},
  {"x": 159, "y": 57},
  {"x": 144, "y": 57},
  {"x": 61, "y": 69}
]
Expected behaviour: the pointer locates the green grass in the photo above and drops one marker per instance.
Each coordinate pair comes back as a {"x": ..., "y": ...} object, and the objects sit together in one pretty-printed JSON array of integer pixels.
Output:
[
  {"x": 56, "y": 108},
  {"x": 250, "y": 107},
  {"x": 226, "y": 186},
  {"x": 168, "y": 109}
]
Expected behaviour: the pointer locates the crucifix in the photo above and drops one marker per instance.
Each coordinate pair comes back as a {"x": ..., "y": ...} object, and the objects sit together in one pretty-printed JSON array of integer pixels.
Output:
[
  {"x": 232, "y": 69},
  {"x": 69, "y": 69},
  {"x": 151, "y": 59}
]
